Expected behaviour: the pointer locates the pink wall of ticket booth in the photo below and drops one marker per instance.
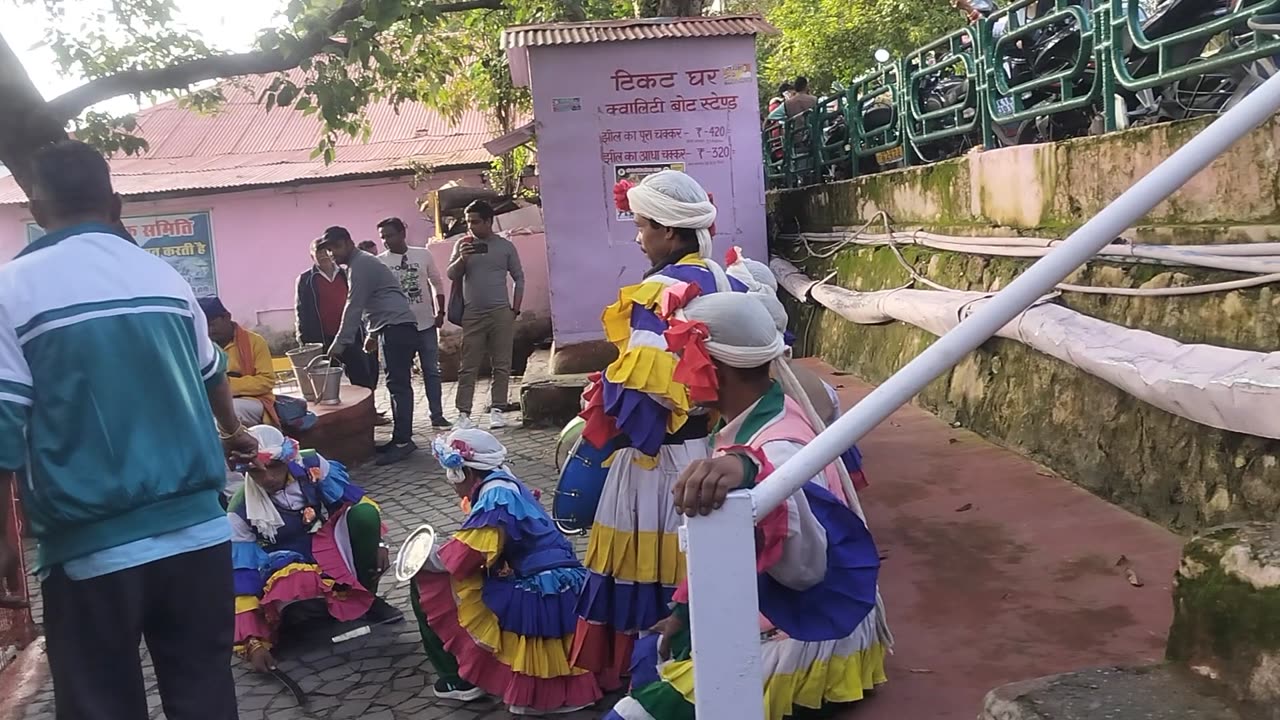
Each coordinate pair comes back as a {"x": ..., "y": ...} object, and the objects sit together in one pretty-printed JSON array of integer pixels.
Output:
[{"x": 609, "y": 110}]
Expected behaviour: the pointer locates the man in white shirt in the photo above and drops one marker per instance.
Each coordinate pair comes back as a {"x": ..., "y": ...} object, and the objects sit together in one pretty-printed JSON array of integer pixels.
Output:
[{"x": 418, "y": 275}]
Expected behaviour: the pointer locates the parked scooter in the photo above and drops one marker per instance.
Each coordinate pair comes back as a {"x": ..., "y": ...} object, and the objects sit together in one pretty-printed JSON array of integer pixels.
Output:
[
  {"x": 1055, "y": 48},
  {"x": 879, "y": 118},
  {"x": 1189, "y": 97}
]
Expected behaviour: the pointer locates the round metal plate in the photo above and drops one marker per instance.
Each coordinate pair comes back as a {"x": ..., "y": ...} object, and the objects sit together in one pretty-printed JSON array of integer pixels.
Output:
[{"x": 414, "y": 552}]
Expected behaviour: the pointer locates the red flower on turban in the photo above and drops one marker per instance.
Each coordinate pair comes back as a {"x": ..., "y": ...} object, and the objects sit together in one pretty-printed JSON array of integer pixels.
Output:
[{"x": 620, "y": 195}]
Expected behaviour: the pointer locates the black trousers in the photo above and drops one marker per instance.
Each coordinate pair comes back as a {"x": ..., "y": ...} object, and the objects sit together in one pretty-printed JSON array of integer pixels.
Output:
[
  {"x": 399, "y": 347},
  {"x": 361, "y": 369},
  {"x": 184, "y": 606}
]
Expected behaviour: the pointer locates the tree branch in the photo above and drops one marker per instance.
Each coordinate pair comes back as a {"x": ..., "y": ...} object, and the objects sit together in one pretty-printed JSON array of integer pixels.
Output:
[
  {"x": 182, "y": 75},
  {"x": 26, "y": 123}
]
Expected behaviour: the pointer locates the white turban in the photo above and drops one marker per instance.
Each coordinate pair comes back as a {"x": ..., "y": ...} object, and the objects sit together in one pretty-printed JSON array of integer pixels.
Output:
[
  {"x": 760, "y": 284},
  {"x": 742, "y": 333},
  {"x": 260, "y": 511},
  {"x": 673, "y": 199},
  {"x": 754, "y": 274},
  {"x": 473, "y": 448}
]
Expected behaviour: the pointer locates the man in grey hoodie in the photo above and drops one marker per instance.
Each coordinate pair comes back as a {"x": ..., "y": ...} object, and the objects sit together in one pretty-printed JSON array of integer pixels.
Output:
[{"x": 375, "y": 299}]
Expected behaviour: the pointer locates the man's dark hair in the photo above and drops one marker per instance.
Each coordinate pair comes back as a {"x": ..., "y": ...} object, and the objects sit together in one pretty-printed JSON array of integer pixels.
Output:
[
  {"x": 784, "y": 87},
  {"x": 687, "y": 236},
  {"x": 481, "y": 208},
  {"x": 73, "y": 178},
  {"x": 802, "y": 83},
  {"x": 392, "y": 222},
  {"x": 337, "y": 233}
]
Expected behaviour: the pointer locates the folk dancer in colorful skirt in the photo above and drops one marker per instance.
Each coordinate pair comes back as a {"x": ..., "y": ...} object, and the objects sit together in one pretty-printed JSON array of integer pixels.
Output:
[
  {"x": 301, "y": 530},
  {"x": 634, "y": 555},
  {"x": 495, "y": 603},
  {"x": 822, "y": 397},
  {"x": 822, "y": 633}
]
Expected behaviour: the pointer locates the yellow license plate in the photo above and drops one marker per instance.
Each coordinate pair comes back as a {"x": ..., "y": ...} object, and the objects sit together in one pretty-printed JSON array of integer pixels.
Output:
[{"x": 889, "y": 156}]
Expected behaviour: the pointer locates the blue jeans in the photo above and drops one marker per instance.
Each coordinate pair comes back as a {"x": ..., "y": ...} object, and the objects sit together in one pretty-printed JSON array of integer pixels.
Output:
[
  {"x": 399, "y": 346},
  {"x": 429, "y": 359}
]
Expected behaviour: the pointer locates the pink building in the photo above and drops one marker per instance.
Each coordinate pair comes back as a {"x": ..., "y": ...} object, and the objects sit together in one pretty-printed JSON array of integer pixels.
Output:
[
  {"x": 233, "y": 199},
  {"x": 624, "y": 99}
]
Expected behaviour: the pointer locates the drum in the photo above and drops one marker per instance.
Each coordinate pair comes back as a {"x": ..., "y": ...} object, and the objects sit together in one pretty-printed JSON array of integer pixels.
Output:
[
  {"x": 582, "y": 476},
  {"x": 568, "y": 436}
]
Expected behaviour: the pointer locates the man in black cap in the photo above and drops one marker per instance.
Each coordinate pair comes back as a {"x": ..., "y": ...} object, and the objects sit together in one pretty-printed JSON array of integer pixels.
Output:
[{"x": 376, "y": 299}]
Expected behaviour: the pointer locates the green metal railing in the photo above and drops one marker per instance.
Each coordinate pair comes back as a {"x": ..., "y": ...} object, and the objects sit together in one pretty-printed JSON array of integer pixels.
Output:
[
  {"x": 992, "y": 84},
  {"x": 875, "y": 94},
  {"x": 937, "y": 121},
  {"x": 1013, "y": 93}
]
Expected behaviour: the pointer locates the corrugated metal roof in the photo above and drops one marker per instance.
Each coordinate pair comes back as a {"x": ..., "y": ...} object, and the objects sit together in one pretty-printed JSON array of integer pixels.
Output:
[
  {"x": 634, "y": 29},
  {"x": 243, "y": 145}
]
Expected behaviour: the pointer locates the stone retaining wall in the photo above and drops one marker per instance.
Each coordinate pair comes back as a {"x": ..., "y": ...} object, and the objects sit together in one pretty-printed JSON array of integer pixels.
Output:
[{"x": 1172, "y": 470}]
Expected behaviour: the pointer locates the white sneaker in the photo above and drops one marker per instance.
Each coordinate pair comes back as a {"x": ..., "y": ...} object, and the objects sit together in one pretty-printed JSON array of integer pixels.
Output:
[
  {"x": 497, "y": 419},
  {"x": 463, "y": 422}
]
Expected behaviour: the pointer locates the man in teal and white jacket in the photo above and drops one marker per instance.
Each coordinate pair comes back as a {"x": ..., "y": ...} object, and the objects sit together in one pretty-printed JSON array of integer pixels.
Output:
[{"x": 107, "y": 383}]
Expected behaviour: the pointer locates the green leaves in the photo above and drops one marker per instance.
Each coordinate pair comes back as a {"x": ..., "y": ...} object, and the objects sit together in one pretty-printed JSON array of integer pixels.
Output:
[
  {"x": 828, "y": 40},
  {"x": 109, "y": 134},
  {"x": 350, "y": 53}
]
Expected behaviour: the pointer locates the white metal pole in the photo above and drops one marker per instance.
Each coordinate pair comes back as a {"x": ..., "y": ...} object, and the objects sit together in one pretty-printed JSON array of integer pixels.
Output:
[
  {"x": 724, "y": 612},
  {"x": 1039, "y": 279},
  {"x": 722, "y": 580}
]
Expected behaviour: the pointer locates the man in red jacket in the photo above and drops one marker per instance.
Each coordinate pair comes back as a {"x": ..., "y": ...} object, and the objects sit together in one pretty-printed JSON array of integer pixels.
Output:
[{"x": 321, "y": 296}]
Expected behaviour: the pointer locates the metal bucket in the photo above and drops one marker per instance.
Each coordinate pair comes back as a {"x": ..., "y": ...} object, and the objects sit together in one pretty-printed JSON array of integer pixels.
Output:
[
  {"x": 300, "y": 358},
  {"x": 326, "y": 381}
]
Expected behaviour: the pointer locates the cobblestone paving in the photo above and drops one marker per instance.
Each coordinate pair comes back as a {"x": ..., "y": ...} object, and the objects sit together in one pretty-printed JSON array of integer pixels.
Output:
[{"x": 384, "y": 675}]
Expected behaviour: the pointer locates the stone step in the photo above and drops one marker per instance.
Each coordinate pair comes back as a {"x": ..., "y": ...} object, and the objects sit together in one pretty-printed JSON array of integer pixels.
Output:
[
  {"x": 1158, "y": 692},
  {"x": 548, "y": 400}
]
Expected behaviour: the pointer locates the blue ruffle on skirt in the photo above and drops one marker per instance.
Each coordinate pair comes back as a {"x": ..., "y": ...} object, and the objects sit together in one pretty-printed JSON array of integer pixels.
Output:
[
  {"x": 837, "y": 605},
  {"x": 627, "y": 607},
  {"x": 852, "y": 459},
  {"x": 543, "y": 605},
  {"x": 644, "y": 661}
]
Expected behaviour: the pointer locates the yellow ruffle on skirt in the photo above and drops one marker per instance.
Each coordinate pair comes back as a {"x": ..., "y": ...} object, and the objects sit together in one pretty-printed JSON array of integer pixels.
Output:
[{"x": 805, "y": 674}]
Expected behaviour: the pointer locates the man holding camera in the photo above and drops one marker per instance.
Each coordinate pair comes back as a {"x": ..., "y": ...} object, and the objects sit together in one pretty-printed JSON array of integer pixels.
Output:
[{"x": 481, "y": 261}]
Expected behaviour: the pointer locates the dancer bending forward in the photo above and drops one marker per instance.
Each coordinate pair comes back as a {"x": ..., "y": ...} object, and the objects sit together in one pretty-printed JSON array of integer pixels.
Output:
[{"x": 495, "y": 603}]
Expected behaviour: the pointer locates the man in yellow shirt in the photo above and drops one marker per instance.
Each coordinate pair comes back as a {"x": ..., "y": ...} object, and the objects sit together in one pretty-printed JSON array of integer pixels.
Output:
[{"x": 248, "y": 365}]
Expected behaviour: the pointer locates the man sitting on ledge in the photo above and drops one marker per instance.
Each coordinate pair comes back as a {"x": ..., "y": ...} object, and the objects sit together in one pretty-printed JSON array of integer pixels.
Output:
[{"x": 248, "y": 365}]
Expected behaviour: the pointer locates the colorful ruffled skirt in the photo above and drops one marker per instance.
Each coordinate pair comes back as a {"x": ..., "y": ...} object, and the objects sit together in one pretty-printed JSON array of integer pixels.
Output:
[
  {"x": 796, "y": 675},
  {"x": 329, "y": 575},
  {"x": 634, "y": 558},
  {"x": 841, "y": 617},
  {"x": 512, "y": 636}
]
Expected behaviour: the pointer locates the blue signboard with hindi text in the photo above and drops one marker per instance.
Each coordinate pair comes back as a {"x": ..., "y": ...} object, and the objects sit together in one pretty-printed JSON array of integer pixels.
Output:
[{"x": 184, "y": 240}]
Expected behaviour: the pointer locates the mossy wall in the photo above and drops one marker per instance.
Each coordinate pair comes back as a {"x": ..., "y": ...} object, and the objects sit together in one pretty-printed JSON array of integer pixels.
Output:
[
  {"x": 1174, "y": 471},
  {"x": 1226, "y": 598},
  {"x": 1057, "y": 186}
]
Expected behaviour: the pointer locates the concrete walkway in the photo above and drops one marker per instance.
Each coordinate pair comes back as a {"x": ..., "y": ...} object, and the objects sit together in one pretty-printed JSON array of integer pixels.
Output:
[{"x": 995, "y": 570}]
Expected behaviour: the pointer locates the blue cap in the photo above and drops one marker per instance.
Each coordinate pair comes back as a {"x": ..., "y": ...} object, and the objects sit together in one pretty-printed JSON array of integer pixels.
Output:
[{"x": 213, "y": 307}]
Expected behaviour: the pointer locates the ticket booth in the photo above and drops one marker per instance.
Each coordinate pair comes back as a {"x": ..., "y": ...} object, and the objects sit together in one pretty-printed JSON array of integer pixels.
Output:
[{"x": 624, "y": 99}]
